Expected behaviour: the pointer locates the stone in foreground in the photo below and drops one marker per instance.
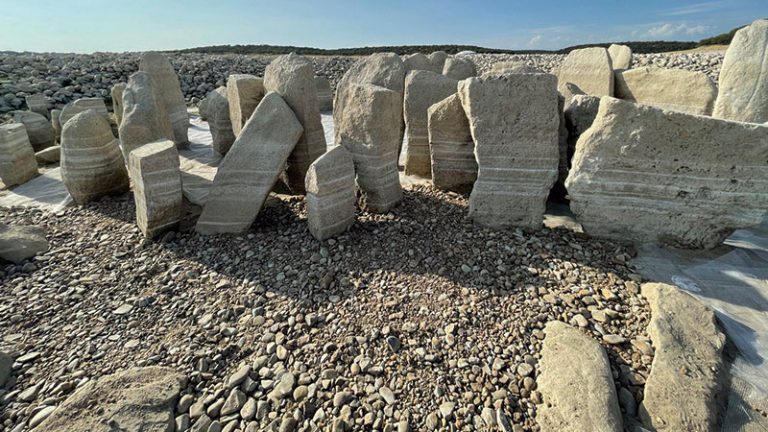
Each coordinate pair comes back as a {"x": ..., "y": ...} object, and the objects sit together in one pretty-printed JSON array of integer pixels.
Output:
[
  {"x": 648, "y": 175},
  {"x": 18, "y": 243},
  {"x": 91, "y": 162},
  {"x": 576, "y": 383},
  {"x": 621, "y": 56},
  {"x": 145, "y": 118},
  {"x": 459, "y": 68},
  {"x": 422, "y": 90},
  {"x": 514, "y": 121},
  {"x": 590, "y": 69},
  {"x": 324, "y": 93},
  {"x": 244, "y": 92},
  {"x": 17, "y": 159},
  {"x": 39, "y": 130},
  {"x": 452, "y": 151},
  {"x": 686, "y": 380},
  {"x": 251, "y": 168},
  {"x": 331, "y": 194},
  {"x": 156, "y": 178},
  {"x": 219, "y": 122},
  {"x": 138, "y": 399},
  {"x": 37, "y": 103},
  {"x": 117, "y": 102},
  {"x": 76, "y": 107},
  {"x": 168, "y": 93},
  {"x": 672, "y": 89}
]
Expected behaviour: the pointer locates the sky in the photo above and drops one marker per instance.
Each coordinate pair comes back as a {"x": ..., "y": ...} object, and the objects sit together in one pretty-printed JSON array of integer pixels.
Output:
[{"x": 86, "y": 26}]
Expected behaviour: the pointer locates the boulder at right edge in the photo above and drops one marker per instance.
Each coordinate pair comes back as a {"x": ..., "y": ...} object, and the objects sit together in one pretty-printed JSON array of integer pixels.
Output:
[{"x": 680, "y": 90}]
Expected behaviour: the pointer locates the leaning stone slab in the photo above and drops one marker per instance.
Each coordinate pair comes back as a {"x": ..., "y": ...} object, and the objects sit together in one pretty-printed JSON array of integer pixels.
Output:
[
  {"x": 578, "y": 116},
  {"x": 74, "y": 108},
  {"x": 138, "y": 399},
  {"x": 331, "y": 194},
  {"x": 422, "y": 90},
  {"x": 437, "y": 61},
  {"x": 91, "y": 162},
  {"x": 251, "y": 168},
  {"x": 686, "y": 381},
  {"x": 416, "y": 61},
  {"x": 590, "y": 69},
  {"x": 244, "y": 92},
  {"x": 168, "y": 93},
  {"x": 672, "y": 89},
  {"x": 117, "y": 101},
  {"x": 219, "y": 121},
  {"x": 156, "y": 178},
  {"x": 49, "y": 155},
  {"x": 649, "y": 175},
  {"x": 292, "y": 77},
  {"x": 576, "y": 383},
  {"x": 145, "y": 119},
  {"x": 39, "y": 130},
  {"x": 621, "y": 56},
  {"x": 19, "y": 242},
  {"x": 514, "y": 121},
  {"x": 17, "y": 159},
  {"x": 452, "y": 151},
  {"x": 459, "y": 68},
  {"x": 324, "y": 93},
  {"x": 743, "y": 84},
  {"x": 37, "y": 103}
]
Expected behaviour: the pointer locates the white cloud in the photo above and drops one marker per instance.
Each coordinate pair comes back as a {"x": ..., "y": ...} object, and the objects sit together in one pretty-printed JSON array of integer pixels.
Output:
[
  {"x": 671, "y": 29},
  {"x": 535, "y": 40}
]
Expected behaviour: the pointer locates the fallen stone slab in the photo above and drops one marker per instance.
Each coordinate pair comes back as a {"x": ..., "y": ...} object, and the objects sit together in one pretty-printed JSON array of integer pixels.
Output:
[
  {"x": 648, "y": 175},
  {"x": 17, "y": 159},
  {"x": 117, "y": 101},
  {"x": 18, "y": 243},
  {"x": 672, "y": 89},
  {"x": 138, "y": 399},
  {"x": 168, "y": 93},
  {"x": 145, "y": 118},
  {"x": 514, "y": 121},
  {"x": 621, "y": 56},
  {"x": 244, "y": 92},
  {"x": 576, "y": 383},
  {"x": 459, "y": 68},
  {"x": 437, "y": 61},
  {"x": 590, "y": 69},
  {"x": 76, "y": 107},
  {"x": 416, "y": 61},
  {"x": 156, "y": 179},
  {"x": 37, "y": 103},
  {"x": 39, "y": 130},
  {"x": 452, "y": 151},
  {"x": 331, "y": 194},
  {"x": 324, "y": 93},
  {"x": 251, "y": 168},
  {"x": 50, "y": 155},
  {"x": 219, "y": 121},
  {"x": 684, "y": 388}
]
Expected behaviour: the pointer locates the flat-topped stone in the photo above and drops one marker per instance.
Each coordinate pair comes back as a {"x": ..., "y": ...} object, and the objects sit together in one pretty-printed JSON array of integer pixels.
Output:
[
  {"x": 145, "y": 119},
  {"x": 219, "y": 121},
  {"x": 452, "y": 151},
  {"x": 330, "y": 199},
  {"x": 39, "y": 130},
  {"x": 37, "y": 103},
  {"x": 672, "y": 89},
  {"x": 117, "y": 101},
  {"x": 168, "y": 93},
  {"x": 244, "y": 92},
  {"x": 459, "y": 68},
  {"x": 324, "y": 93},
  {"x": 17, "y": 159},
  {"x": 621, "y": 56},
  {"x": 156, "y": 179},
  {"x": 83, "y": 104},
  {"x": 590, "y": 69}
]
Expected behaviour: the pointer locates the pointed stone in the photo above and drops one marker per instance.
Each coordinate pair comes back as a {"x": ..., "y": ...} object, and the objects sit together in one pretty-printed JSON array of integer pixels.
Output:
[
  {"x": 17, "y": 159},
  {"x": 324, "y": 93},
  {"x": 81, "y": 105},
  {"x": 117, "y": 101},
  {"x": 679, "y": 90},
  {"x": 451, "y": 147},
  {"x": 154, "y": 171},
  {"x": 590, "y": 69},
  {"x": 244, "y": 92},
  {"x": 145, "y": 119},
  {"x": 331, "y": 193},
  {"x": 39, "y": 130},
  {"x": 219, "y": 121},
  {"x": 168, "y": 93}
]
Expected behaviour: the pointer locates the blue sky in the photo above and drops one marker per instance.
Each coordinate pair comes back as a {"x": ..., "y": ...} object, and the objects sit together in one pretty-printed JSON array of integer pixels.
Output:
[{"x": 136, "y": 25}]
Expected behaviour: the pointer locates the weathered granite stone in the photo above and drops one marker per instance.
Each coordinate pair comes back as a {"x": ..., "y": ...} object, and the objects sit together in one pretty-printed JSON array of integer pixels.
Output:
[
  {"x": 244, "y": 92},
  {"x": 19, "y": 242},
  {"x": 590, "y": 69},
  {"x": 117, "y": 101},
  {"x": 17, "y": 159},
  {"x": 514, "y": 122},
  {"x": 76, "y": 107},
  {"x": 251, "y": 168},
  {"x": 91, "y": 162},
  {"x": 422, "y": 90},
  {"x": 451, "y": 147},
  {"x": 437, "y": 61},
  {"x": 324, "y": 93},
  {"x": 56, "y": 123},
  {"x": 621, "y": 56},
  {"x": 367, "y": 127},
  {"x": 37, "y": 103},
  {"x": 219, "y": 121},
  {"x": 156, "y": 179},
  {"x": 331, "y": 194},
  {"x": 292, "y": 77},
  {"x": 673, "y": 89},
  {"x": 649, "y": 175},
  {"x": 685, "y": 386},
  {"x": 39, "y": 130},
  {"x": 743, "y": 84},
  {"x": 144, "y": 117},
  {"x": 168, "y": 93},
  {"x": 576, "y": 383},
  {"x": 416, "y": 61},
  {"x": 459, "y": 68},
  {"x": 49, "y": 155}
]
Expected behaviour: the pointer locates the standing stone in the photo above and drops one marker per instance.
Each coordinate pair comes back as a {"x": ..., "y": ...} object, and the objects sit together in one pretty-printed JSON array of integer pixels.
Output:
[
  {"x": 144, "y": 117},
  {"x": 648, "y": 175},
  {"x": 437, "y": 61},
  {"x": 459, "y": 68},
  {"x": 451, "y": 147},
  {"x": 621, "y": 56},
  {"x": 39, "y": 130},
  {"x": 168, "y": 92},
  {"x": 156, "y": 178},
  {"x": 203, "y": 107},
  {"x": 244, "y": 92},
  {"x": 37, "y": 103},
  {"x": 514, "y": 122},
  {"x": 56, "y": 123},
  {"x": 117, "y": 102},
  {"x": 74, "y": 108},
  {"x": 743, "y": 84},
  {"x": 590, "y": 69},
  {"x": 331, "y": 194},
  {"x": 367, "y": 127},
  {"x": 416, "y": 61},
  {"x": 422, "y": 90},
  {"x": 324, "y": 93},
  {"x": 251, "y": 168},
  {"x": 672, "y": 89},
  {"x": 91, "y": 163},
  {"x": 219, "y": 121},
  {"x": 292, "y": 77},
  {"x": 17, "y": 160}
]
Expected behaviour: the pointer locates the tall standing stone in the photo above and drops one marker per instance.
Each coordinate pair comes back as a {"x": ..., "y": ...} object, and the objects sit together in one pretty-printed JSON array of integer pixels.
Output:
[
  {"x": 590, "y": 69},
  {"x": 673, "y": 89},
  {"x": 156, "y": 178},
  {"x": 621, "y": 56},
  {"x": 219, "y": 121},
  {"x": 251, "y": 168},
  {"x": 144, "y": 117},
  {"x": 37, "y": 103},
  {"x": 91, "y": 163},
  {"x": 83, "y": 104},
  {"x": 168, "y": 92},
  {"x": 117, "y": 102},
  {"x": 330, "y": 199},
  {"x": 324, "y": 93},
  {"x": 437, "y": 61},
  {"x": 39, "y": 130},
  {"x": 293, "y": 78},
  {"x": 459, "y": 68},
  {"x": 743, "y": 85},
  {"x": 416, "y": 61},
  {"x": 17, "y": 160},
  {"x": 451, "y": 147},
  {"x": 244, "y": 92},
  {"x": 422, "y": 90},
  {"x": 514, "y": 121}
]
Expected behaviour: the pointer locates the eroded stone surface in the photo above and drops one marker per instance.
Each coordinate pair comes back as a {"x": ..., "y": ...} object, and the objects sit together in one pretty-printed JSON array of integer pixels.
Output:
[
  {"x": 437, "y": 61},
  {"x": 621, "y": 56},
  {"x": 219, "y": 121},
  {"x": 117, "y": 101},
  {"x": 451, "y": 147},
  {"x": 590, "y": 69},
  {"x": 17, "y": 159},
  {"x": 330, "y": 199},
  {"x": 39, "y": 130},
  {"x": 56, "y": 123},
  {"x": 37, "y": 103},
  {"x": 145, "y": 117},
  {"x": 673, "y": 89},
  {"x": 156, "y": 179},
  {"x": 459, "y": 68},
  {"x": 74, "y": 108},
  {"x": 168, "y": 93},
  {"x": 324, "y": 93},
  {"x": 416, "y": 61},
  {"x": 244, "y": 92}
]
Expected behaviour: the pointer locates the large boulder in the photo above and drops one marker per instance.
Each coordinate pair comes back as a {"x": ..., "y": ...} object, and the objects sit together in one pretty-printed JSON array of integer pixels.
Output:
[
  {"x": 437, "y": 61},
  {"x": 145, "y": 118},
  {"x": 18, "y": 243},
  {"x": 649, "y": 175},
  {"x": 117, "y": 101},
  {"x": 324, "y": 93},
  {"x": 168, "y": 93},
  {"x": 590, "y": 69},
  {"x": 39, "y": 130},
  {"x": 37, "y": 103},
  {"x": 416, "y": 61},
  {"x": 743, "y": 85},
  {"x": 459, "y": 68},
  {"x": 673, "y": 89},
  {"x": 244, "y": 92},
  {"x": 331, "y": 193},
  {"x": 156, "y": 178},
  {"x": 621, "y": 56},
  {"x": 80, "y": 105},
  {"x": 514, "y": 121},
  {"x": 219, "y": 121},
  {"x": 135, "y": 400},
  {"x": 452, "y": 151},
  {"x": 17, "y": 159}
]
